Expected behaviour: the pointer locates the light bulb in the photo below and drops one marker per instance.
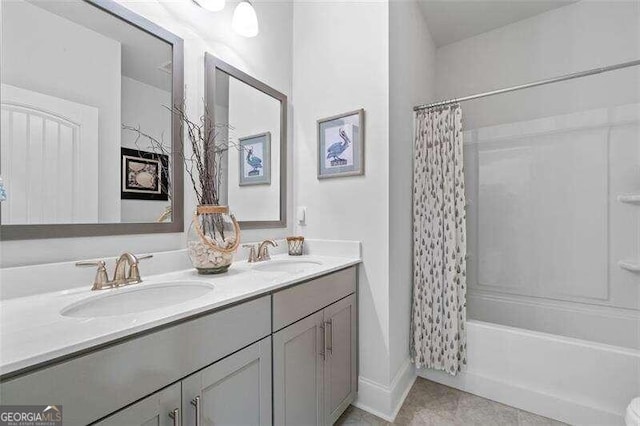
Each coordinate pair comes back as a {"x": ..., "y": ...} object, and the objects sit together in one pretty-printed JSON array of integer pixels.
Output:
[
  {"x": 245, "y": 21},
  {"x": 211, "y": 5}
]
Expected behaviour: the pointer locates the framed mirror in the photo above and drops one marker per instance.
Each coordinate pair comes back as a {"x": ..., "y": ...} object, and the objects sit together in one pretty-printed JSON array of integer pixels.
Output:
[
  {"x": 252, "y": 116},
  {"x": 89, "y": 145}
]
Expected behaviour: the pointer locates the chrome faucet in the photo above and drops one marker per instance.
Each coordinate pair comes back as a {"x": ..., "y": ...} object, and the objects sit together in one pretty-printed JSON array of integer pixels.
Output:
[
  {"x": 120, "y": 277},
  {"x": 133, "y": 275},
  {"x": 261, "y": 253},
  {"x": 263, "y": 250}
]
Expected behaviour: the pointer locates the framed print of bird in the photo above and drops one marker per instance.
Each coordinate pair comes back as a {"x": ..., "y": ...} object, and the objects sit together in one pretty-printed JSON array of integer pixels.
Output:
[
  {"x": 255, "y": 159},
  {"x": 341, "y": 145}
]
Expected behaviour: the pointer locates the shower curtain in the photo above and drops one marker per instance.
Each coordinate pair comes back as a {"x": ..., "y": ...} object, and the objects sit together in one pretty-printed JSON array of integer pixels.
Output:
[{"x": 438, "y": 333}]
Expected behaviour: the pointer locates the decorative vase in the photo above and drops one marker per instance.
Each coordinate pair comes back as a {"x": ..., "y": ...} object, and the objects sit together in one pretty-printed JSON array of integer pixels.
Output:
[{"x": 214, "y": 236}]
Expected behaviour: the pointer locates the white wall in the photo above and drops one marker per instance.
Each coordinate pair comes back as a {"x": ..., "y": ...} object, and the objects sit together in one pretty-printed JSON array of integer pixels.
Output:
[
  {"x": 344, "y": 53},
  {"x": 57, "y": 66},
  {"x": 341, "y": 63},
  {"x": 411, "y": 82},
  {"x": 144, "y": 105},
  {"x": 267, "y": 57}
]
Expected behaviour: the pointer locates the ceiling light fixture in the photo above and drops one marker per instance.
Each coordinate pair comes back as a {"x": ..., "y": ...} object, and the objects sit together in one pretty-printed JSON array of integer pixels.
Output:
[
  {"x": 245, "y": 20},
  {"x": 211, "y": 5}
]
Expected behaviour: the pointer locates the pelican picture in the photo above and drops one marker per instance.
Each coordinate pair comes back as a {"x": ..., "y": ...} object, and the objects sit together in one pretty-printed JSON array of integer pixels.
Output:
[
  {"x": 340, "y": 145},
  {"x": 340, "y": 149},
  {"x": 255, "y": 159}
]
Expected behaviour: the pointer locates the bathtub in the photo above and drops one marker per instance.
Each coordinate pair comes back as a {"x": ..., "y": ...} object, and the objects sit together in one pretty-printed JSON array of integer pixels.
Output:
[{"x": 571, "y": 380}]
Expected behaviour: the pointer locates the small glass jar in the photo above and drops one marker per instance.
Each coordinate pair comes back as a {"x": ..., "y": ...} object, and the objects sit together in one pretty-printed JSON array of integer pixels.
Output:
[{"x": 296, "y": 245}]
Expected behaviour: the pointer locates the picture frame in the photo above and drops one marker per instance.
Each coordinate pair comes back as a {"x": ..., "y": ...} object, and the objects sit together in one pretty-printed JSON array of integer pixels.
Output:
[
  {"x": 341, "y": 145},
  {"x": 143, "y": 175},
  {"x": 255, "y": 160}
]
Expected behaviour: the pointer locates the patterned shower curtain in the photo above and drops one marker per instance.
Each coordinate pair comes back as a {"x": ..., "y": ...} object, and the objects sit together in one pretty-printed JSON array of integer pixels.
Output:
[{"x": 438, "y": 329}]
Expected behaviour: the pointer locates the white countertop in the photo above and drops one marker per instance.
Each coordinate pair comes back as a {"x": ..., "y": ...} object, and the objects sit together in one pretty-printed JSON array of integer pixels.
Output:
[{"x": 32, "y": 330}]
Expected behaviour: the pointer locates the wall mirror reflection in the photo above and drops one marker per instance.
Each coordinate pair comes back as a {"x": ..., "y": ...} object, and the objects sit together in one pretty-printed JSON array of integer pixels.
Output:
[
  {"x": 253, "y": 117},
  {"x": 72, "y": 160}
]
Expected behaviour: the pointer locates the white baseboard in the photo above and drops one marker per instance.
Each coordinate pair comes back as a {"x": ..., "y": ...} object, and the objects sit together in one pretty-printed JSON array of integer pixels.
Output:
[{"x": 385, "y": 401}]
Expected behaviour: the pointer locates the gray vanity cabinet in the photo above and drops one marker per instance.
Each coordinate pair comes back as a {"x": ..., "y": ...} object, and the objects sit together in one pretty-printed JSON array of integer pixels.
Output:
[
  {"x": 314, "y": 366},
  {"x": 314, "y": 358},
  {"x": 298, "y": 361},
  {"x": 154, "y": 410},
  {"x": 234, "y": 391},
  {"x": 94, "y": 385},
  {"x": 287, "y": 358},
  {"x": 340, "y": 378}
]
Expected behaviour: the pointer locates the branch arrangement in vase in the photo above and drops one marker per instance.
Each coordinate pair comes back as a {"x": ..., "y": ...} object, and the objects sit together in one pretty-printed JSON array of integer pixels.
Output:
[
  {"x": 207, "y": 146},
  {"x": 214, "y": 234}
]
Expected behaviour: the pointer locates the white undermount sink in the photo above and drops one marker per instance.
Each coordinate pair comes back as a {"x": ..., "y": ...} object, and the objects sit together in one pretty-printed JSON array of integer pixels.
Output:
[
  {"x": 136, "y": 298},
  {"x": 289, "y": 266}
]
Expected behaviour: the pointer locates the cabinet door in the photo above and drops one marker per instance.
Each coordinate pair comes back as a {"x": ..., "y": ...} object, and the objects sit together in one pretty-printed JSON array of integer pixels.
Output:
[
  {"x": 298, "y": 357},
  {"x": 340, "y": 376},
  {"x": 234, "y": 391},
  {"x": 154, "y": 410}
]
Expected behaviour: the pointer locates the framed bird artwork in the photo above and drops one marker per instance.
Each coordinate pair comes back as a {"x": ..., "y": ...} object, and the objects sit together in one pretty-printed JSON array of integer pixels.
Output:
[
  {"x": 255, "y": 159},
  {"x": 341, "y": 145}
]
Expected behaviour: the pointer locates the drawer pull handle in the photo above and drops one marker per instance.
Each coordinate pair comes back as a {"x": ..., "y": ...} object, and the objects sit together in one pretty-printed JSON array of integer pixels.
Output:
[
  {"x": 328, "y": 329},
  {"x": 175, "y": 416},
  {"x": 196, "y": 404},
  {"x": 629, "y": 266},
  {"x": 630, "y": 198},
  {"x": 322, "y": 332}
]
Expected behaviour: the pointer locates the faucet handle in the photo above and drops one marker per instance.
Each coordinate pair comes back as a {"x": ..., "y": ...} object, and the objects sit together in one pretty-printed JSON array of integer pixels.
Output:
[
  {"x": 102, "y": 278},
  {"x": 252, "y": 252},
  {"x": 91, "y": 263}
]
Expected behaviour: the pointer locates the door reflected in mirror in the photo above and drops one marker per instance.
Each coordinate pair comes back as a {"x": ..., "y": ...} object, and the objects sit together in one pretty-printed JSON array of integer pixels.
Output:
[
  {"x": 77, "y": 84},
  {"x": 252, "y": 116}
]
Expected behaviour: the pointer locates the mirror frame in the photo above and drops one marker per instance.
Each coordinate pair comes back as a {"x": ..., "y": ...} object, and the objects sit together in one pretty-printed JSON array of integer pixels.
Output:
[
  {"x": 211, "y": 64},
  {"x": 38, "y": 231}
]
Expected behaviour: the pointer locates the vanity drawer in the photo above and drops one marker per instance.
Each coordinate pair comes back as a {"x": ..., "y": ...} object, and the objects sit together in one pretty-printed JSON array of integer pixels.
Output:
[
  {"x": 94, "y": 385},
  {"x": 298, "y": 301}
]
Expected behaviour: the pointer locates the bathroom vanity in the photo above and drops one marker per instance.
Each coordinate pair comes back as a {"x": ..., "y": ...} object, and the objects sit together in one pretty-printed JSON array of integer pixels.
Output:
[{"x": 271, "y": 343}]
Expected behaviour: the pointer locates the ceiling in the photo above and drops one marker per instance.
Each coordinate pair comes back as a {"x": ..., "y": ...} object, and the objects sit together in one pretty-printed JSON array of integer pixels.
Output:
[{"x": 453, "y": 20}]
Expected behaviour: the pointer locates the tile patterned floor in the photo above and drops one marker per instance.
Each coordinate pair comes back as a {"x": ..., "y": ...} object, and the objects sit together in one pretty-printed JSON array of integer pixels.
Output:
[{"x": 433, "y": 404}]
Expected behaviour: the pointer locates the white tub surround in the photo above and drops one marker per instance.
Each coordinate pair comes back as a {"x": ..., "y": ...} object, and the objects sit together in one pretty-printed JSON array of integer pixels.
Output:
[
  {"x": 34, "y": 333},
  {"x": 586, "y": 287},
  {"x": 571, "y": 380}
]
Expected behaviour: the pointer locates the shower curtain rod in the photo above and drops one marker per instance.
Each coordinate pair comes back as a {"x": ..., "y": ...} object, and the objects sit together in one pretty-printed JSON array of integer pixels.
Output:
[{"x": 532, "y": 84}]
